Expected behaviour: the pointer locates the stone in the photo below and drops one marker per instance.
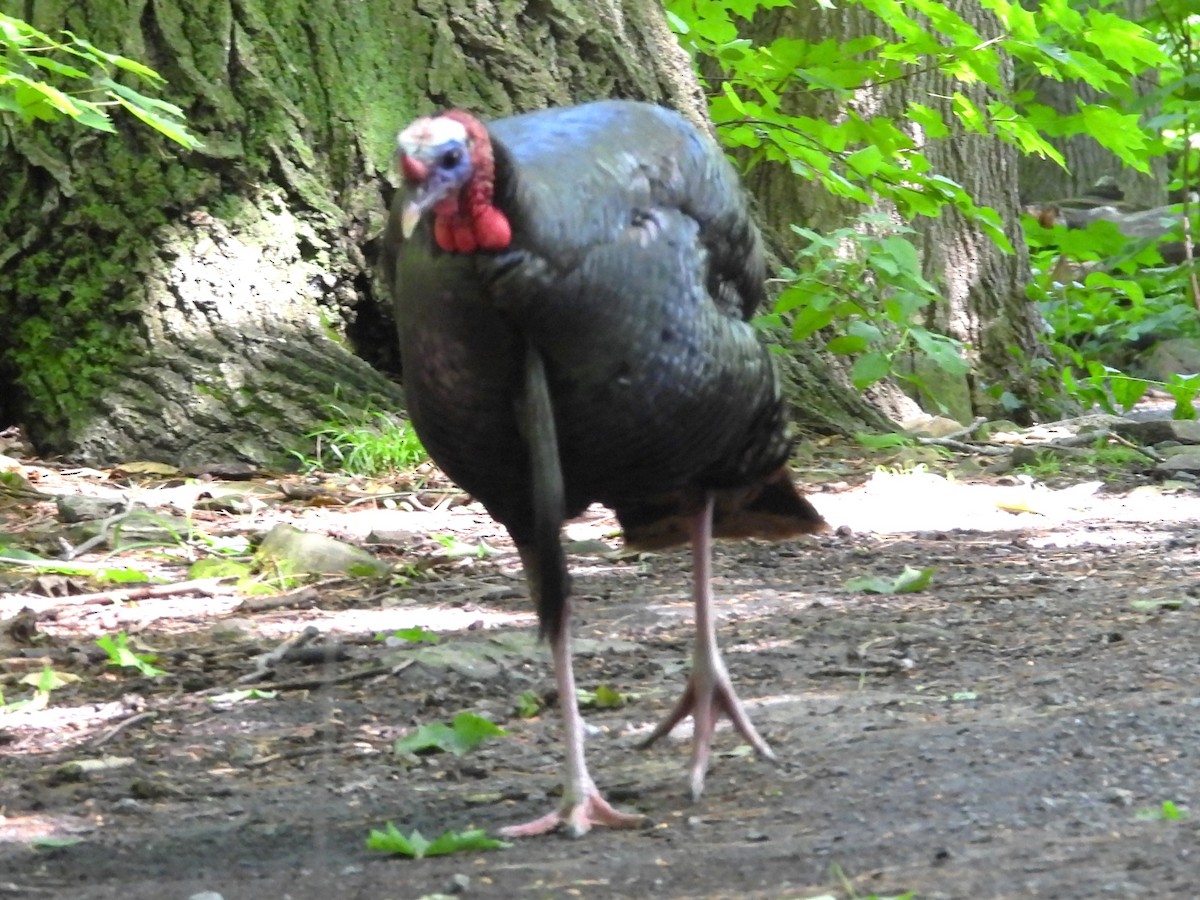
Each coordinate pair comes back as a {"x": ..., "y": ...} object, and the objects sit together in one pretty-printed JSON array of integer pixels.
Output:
[
  {"x": 1187, "y": 461},
  {"x": 1176, "y": 356},
  {"x": 297, "y": 552},
  {"x": 1156, "y": 431}
]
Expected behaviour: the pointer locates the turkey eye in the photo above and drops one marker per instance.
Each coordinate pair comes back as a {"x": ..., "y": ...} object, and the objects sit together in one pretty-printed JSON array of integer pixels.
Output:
[{"x": 451, "y": 158}]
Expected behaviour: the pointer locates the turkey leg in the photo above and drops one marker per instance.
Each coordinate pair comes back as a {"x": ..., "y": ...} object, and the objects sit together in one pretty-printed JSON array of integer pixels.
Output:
[
  {"x": 709, "y": 691},
  {"x": 582, "y": 805}
]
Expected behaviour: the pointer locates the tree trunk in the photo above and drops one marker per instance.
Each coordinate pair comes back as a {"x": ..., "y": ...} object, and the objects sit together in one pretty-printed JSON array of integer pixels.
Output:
[
  {"x": 212, "y": 305},
  {"x": 983, "y": 288}
]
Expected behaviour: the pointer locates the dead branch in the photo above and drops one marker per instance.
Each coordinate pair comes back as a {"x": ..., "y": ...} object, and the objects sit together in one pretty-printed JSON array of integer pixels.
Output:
[
  {"x": 121, "y": 726},
  {"x": 267, "y": 661}
]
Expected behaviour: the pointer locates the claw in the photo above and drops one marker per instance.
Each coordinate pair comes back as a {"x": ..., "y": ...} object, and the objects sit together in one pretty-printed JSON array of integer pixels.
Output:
[{"x": 577, "y": 818}]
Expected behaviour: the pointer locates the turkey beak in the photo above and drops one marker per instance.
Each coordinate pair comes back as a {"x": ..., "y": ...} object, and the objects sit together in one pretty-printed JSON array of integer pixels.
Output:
[
  {"x": 410, "y": 218},
  {"x": 422, "y": 197}
]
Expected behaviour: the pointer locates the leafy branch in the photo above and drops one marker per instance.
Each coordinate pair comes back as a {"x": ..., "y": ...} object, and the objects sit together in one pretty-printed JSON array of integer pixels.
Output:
[{"x": 43, "y": 79}]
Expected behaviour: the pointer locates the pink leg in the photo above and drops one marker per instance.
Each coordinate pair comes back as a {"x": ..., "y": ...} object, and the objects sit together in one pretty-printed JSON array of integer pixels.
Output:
[
  {"x": 582, "y": 804},
  {"x": 709, "y": 691}
]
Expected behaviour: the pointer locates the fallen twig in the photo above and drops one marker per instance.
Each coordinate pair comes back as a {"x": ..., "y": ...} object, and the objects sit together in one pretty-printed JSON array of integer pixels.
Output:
[
  {"x": 859, "y": 672},
  {"x": 298, "y": 753},
  {"x": 301, "y": 684},
  {"x": 952, "y": 444},
  {"x": 145, "y": 591},
  {"x": 300, "y": 597},
  {"x": 267, "y": 661},
  {"x": 121, "y": 726}
]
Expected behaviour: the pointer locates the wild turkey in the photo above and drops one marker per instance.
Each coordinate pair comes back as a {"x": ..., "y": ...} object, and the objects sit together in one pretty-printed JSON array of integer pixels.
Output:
[{"x": 571, "y": 290}]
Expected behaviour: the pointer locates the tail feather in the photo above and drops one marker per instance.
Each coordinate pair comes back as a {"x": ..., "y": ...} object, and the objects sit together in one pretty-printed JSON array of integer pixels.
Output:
[{"x": 771, "y": 510}]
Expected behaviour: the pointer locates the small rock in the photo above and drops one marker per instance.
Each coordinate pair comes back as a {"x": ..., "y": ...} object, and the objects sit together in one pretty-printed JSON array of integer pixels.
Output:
[
  {"x": 299, "y": 553},
  {"x": 73, "y": 509},
  {"x": 1119, "y": 796},
  {"x": 459, "y": 884},
  {"x": 1185, "y": 462},
  {"x": 931, "y": 426},
  {"x": 1169, "y": 357},
  {"x": 1156, "y": 431},
  {"x": 206, "y": 895}
]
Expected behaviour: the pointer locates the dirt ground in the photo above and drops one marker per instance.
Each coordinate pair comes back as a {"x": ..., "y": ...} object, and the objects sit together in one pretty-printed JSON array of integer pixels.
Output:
[{"x": 1027, "y": 726}]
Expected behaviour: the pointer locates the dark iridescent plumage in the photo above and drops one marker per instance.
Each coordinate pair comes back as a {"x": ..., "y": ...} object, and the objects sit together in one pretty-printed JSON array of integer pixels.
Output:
[{"x": 603, "y": 355}]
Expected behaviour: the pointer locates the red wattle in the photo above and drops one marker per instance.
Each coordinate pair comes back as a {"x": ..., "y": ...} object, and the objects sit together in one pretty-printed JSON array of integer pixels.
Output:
[
  {"x": 464, "y": 237},
  {"x": 443, "y": 234},
  {"x": 488, "y": 229},
  {"x": 492, "y": 230}
]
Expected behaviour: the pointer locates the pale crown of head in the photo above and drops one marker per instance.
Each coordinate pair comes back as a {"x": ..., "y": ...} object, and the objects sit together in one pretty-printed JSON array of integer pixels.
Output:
[{"x": 430, "y": 132}]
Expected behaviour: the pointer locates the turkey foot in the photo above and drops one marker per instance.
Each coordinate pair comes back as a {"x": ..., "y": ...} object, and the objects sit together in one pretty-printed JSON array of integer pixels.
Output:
[
  {"x": 577, "y": 817},
  {"x": 708, "y": 694},
  {"x": 709, "y": 691},
  {"x": 582, "y": 804}
]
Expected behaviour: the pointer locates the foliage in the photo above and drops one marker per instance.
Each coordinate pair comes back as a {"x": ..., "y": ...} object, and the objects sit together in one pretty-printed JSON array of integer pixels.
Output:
[
  {"x": 457, "y": 548},
  {"x": 864, "y": 285},
  {"x": 43, "y": 683},
  {"x": 1174, "y": 98},
  {"x": 1168, "y": 812},
  {"x": 604, "y": 697},
  {"x": 872, "y": 285},
  {"x": 907, "y": 582},
  {"x": 417, "y": 635},
  {"x": 466, "y": 733},
  {"x": 120, "y": 654},
  {"x": 529, "y": 705},
  {"x": 366, "y": 442},
  {"x": 417, "y": 846},
  {"x": 1104, "y": 298},
  {"x": 14, "y": 557},
  {"x": 43, "y": 79}
]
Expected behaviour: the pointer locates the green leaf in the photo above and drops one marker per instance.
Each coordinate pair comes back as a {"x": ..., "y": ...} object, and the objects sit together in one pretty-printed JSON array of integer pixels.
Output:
[
  {"x": 528, "y": 705},
  {"x": 170, "y": 129},
  {"x": 417, "y": 635},
  {"x": 1168, "y": 812},
  {"x": 54, "y": 843},
  {"x": 908, "y": 581},
  {"x": 121, "y": 62},
  {"x": 911, "y": 580},
  {"x": 120, "y": 655},
  {"x": 466, "y": 733},
  {"x": 883, "y": 441},
  {"x": 416, "y": 846},
  {"x": 873, "y": 584},
  {"x": 847, "y": 344},
  {"x": 870, "y": 368},
  {"x": 941, "y": 350},
  {"x": 217, "y": 567}
]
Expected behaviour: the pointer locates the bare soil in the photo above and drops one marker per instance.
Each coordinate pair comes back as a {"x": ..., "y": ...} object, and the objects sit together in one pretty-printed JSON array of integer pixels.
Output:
[{"x": 1026, "y": 726}]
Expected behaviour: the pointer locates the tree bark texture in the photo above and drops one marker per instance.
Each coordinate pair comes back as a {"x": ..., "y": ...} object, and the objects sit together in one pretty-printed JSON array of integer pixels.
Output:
[
  {"x": 211, "y": 305},
  {"x": 983, "y": 288}
]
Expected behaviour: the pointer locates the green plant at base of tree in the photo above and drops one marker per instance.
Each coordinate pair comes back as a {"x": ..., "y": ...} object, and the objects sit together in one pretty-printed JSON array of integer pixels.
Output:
[{"x": 366, "y": 442}]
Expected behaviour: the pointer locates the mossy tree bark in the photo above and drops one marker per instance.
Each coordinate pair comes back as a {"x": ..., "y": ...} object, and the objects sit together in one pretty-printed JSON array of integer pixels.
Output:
[{"x": 211, "y": 305}]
